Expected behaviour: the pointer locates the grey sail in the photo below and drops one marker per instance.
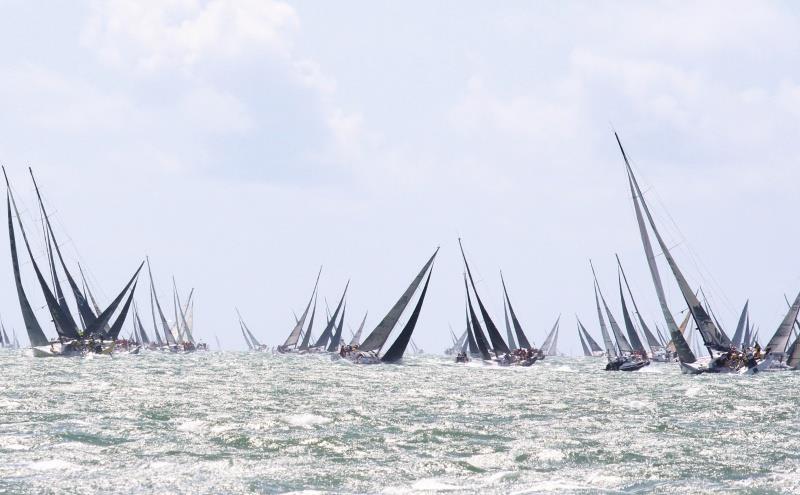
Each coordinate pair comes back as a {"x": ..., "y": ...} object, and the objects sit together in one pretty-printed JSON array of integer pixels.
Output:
[
  {"x": 377, "y": 338},
  {"x": 59, "y": 293},
  {"x": 326, "y": 334},
  {"x": 398, "y": 348},
  {"x": 685, "y": 353},
  {"x": 498, "y": 344},
  {"x": 552, "y": 350},
  {"x": 6, "y": 340},
  {"x": 180, "y": 317},
  {"x": 294, "y": 335},
  {"x": 551, "y": 336},
  {"x": 337, "y": 336},
  {"x": 91, "y": 298},
  {"x": 739, "y": 333},
  {"x": 142, "y": 332},
  {"x": 586, "y": 351},
  {"x": 522, "y": 340},
  {"x": 777, "y": 344},
  {"x": 477, "y": 331},
  {"x": 307, "y": 336},
  {"x": 64, "y": 327},
  {"x": 509, "y": 335},
  {"x": 593, "y": 346},
  {"x": 250, "y": 335},
  {"x": 748, "y": 333},
  {"x": 652, "y": 340},
  {"x": 611, "y": 349},
  {"x": 357, "y": 336},
  {"x": 35, "y": 333},
  {"x": 168, "y": 337},
  {"x": 244, "y": 335},
  {"x": 635, "y": 342},
  {"x": 474, "y": 350}
]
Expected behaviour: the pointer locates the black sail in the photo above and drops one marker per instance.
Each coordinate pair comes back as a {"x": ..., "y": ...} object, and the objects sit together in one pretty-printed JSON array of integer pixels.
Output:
[
  {"x": 322, "y": 341},
  {"x": 498, "y": 344},
  {"x": 85, "y": 311},
  {"x": 62, "y": 323},
  {"x": 395, "y": 352},
  {"x": 522, "y": 340},
  {"x": 586, "y": 351},
  {"x": 380, "y": 334},
  {"x": 117, "y": 326},
  {"x": 337, "y": 336},
  {"x": 307, "y": 336},
  {"x": 142, "y": 331},
  {"x": 511, "y": 344},
  {"x": 35, "y": 333},
  {"x": 97, "y": 327},
  {"x": 473, "y": 346},
  {"x": 477, "y": 331},
  {"x": 635, "y": 341},
  {"x": 593, "y": 345}
]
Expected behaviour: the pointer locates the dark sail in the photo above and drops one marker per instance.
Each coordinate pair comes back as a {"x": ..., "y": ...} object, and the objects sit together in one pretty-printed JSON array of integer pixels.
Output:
[
  {"x": 294, "y": 335},
  {"x": 395, "y": 352},
  {"x": 142, "y": 331},
  {"x": 35, "y": 333},
  {"x": 635, "y": 341},
  {"x": 474, "y": 350},
  {"x": 337, "y": 336},
  {"x": 97, "y": 327},
  {"x": 85, "y": 311},
  {"x": 168, "y": 337},
  {"x": 737, "y": 335},
  {"x": 589, "y": 340},
  {"x": 509, "y": 335},
  {"x": 611, "y": 349},
  {"x": 777, "y": 344},
  {"x": 477, "y": 331},
  {"x": 652, "y": 341},
  {"x": 117, "y": 326},
  {"x": 59, "y": 293},
  {"x": 322, "y": 341},
  {"x": 498, "y": 344},
  {"x": 307, "y": 336},
  {"x": 522, "y": 340},
  {"x": 377, "y": 338},
  {"x": 586, "y": 351},
  {"x": 62, "y": 323}
]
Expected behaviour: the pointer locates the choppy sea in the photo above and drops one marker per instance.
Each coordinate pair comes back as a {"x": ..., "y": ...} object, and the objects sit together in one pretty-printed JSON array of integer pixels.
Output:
[{"x": 227, "y": 423}]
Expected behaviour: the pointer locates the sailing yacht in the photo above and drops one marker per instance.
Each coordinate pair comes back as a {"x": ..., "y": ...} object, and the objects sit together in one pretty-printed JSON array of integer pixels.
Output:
[{"x": 91, "y": 332}]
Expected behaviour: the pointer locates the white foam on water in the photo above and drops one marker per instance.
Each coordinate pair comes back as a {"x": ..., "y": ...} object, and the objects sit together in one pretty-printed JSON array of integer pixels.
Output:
[
  {"x": 306, "y": 420},
  {"x": 192, "y": 425},
  {"x": 50, "y": 465},
  {"x": 432, "y": 484}
]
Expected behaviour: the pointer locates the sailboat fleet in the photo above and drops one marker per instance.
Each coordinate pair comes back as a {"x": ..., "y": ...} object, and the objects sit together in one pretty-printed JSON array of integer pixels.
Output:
[{"x": 698, "y": 344}]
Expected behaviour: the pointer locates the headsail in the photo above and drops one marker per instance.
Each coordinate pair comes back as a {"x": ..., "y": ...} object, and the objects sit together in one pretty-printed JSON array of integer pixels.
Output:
[
  {"x": 586, "y": 351},
  {"x": 593, "y": 346},
  {"x": 357, "y": 336},
  {"x": 509, "y": 335},
  {"x": 611, "y": 349},
  {"x": 477, "y": 331},
  {"x": 337, "y": 336},
  {"x": 380, "y": 334},
  {"x": 635, "y": 341},
  {"x": 322, "y": 341},
  {"x": 737, "y": 335},
  {"x": 777, "y": 344},
  {"x": 307, "y": 336}
]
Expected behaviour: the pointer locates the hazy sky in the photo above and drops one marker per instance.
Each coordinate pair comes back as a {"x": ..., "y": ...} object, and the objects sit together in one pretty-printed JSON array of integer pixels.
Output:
[{"x": 242, "y": 144}]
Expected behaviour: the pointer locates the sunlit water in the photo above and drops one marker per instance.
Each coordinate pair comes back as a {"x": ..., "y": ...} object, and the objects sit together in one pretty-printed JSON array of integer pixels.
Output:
[{"x": 257, "y": 423}]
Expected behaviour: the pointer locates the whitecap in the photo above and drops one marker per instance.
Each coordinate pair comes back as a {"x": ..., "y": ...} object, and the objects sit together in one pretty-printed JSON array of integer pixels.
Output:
[
  {"x": 432, "y": 484},
  {"x": 306, "y": 420}
]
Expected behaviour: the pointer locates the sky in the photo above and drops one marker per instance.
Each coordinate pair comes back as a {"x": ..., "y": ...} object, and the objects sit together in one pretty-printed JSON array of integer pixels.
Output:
[{"x": 242, "y": 144}]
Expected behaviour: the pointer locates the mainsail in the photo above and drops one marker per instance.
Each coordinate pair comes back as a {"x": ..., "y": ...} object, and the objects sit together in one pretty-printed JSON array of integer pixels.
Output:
[
  {"x": 654, "y": 343},
  {"x": 337, "y": 336},
  {"x": 35, "y": 333},
  {"x": 548, "y": 344},
  {"x": 635, "y": 341},
  {"x": 477, "y": 331},
  {"x": 586, "y": 351},
  {"x": 589, "y": 340},
  {"x": 307, "y": 336},
  {"x": 509, "y": 335},
  {"x": 498, "y": 344},
  {"x": 777, "y": 344},
  {"x": 685, "y": 353},
  {"x": 380, "y": 334},
  {"x": 522, "y": 340},
  {"x": 474, "y": 350},
  {"x": 611, "y": 349}
]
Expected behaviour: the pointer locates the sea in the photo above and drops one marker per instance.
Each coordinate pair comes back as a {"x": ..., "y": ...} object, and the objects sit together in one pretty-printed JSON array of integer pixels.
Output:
[{"x": 244, "y": 423}]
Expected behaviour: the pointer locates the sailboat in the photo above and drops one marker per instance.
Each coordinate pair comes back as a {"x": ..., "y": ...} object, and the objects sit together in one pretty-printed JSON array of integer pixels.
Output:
[
  {"x": 589, "y": 345},
  {"x": 369, "y": 352},
  {"x": 252, "y": 342},
  {"x": 90, "y": 333},
  {"x": 620, "y": 354}
]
